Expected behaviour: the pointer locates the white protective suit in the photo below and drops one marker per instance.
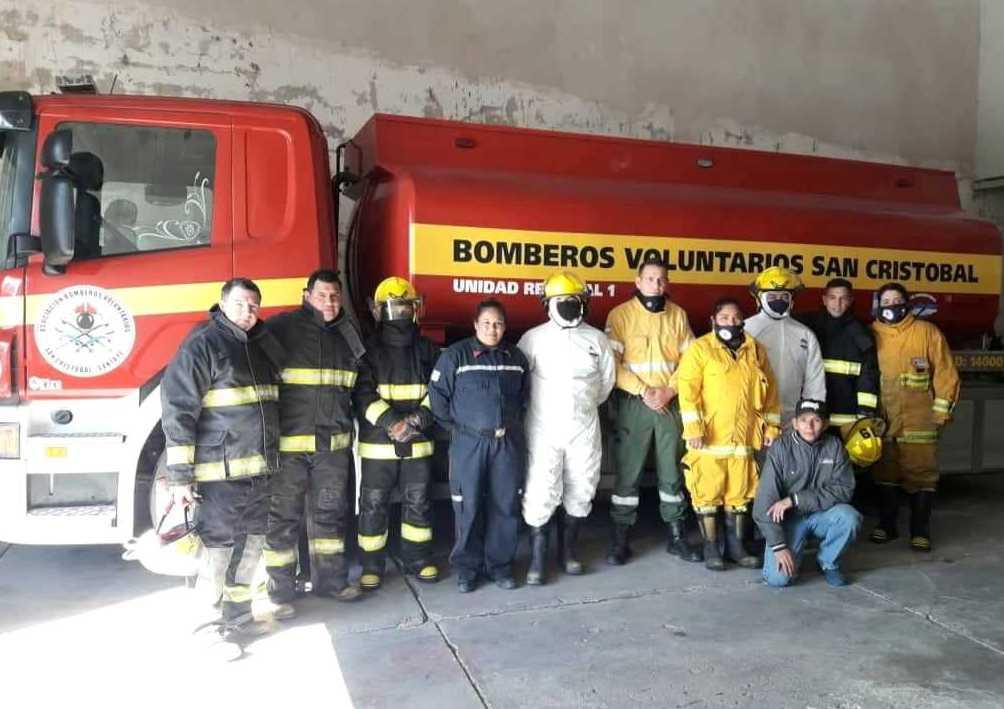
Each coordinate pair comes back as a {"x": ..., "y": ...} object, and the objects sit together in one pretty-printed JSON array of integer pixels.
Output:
[
  {"x": 572, "y": 372},
  {"x": 795, "y": 358}
]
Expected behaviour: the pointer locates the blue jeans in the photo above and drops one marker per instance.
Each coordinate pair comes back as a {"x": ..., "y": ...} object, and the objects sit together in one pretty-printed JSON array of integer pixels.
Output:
[{"x": 836, "y": 528}]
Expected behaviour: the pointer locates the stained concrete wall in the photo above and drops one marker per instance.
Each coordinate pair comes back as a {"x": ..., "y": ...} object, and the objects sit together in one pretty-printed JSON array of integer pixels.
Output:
[
  {"x": 990, "y": 111},
  {"x": 892, "y": 80}
]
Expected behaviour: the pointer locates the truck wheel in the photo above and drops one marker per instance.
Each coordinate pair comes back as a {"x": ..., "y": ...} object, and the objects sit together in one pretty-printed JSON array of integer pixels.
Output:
[{"x": 158, "y": 495}]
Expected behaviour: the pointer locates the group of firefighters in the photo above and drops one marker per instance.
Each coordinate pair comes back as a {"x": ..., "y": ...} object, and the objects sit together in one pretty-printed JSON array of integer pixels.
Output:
[{"x": 260, "y": 421}]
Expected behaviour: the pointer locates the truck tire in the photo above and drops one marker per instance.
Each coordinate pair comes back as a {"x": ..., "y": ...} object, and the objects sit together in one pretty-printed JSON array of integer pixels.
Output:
[{"x": 158, "y": 494}]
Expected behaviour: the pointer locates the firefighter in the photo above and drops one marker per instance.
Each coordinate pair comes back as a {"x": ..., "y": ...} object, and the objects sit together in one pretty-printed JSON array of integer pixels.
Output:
[
  {"x": 220, "y": 398},
  {"x": 791, "y": 347},
  {"x": 648, "y": 335},
  {"x": 573, "y": 372},
  {"x": 322, "y": 351},
  {"x": 395, "y": 436},
  {"x": 920, "y": 387},
  {"x": 729, "y": 408},
  {"x": 849, "y": 359},
  {"x": 479, "y": 392}
]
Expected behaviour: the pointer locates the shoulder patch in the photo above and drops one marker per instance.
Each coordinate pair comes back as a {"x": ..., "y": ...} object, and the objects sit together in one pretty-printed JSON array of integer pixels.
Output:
[{"x": 435, "y": 375}]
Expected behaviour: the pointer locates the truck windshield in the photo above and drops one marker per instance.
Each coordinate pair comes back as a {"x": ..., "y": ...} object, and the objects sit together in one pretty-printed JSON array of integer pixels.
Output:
[{"x": 8, "y": 163}]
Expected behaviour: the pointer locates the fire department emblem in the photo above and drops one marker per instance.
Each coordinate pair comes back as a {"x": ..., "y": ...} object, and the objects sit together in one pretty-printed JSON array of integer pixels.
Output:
[{"x": 85, "y": 331}]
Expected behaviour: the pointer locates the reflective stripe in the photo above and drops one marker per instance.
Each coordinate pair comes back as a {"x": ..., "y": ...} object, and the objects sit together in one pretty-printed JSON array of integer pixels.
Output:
[
  {"x": 402, "y": 392},
  {"x": 842, "y": 366},
  {"x": 237, "y": 594},
  {"x": 457, "y": 498},
  {"x": 841, "y": 419},
  {"x": 340, "y": 441},
  {"x": 915, "y": 381},
  {"x": 332, "y": 545},
  {"x": 489, "y": 368},
  {"x": 385, "y": 451},
  {"x": 725, "y": 451},
  {"x": 641, "y": 367},
  {"x": 918, "y": 437},
  {"x": 180, "y": 455},
  {"x": 374, "y": 542},
  {"x": 774, "y": 419},
  {"x": 238, "y": 396},
  {"x": 616, "y": 346},
  {"x": 375, "y": 410},
  {"x": 297, "y": 444},
  {"x": 690, "y": 416},
  {"x": 426, "y": 402},
  {"x": 666, "y": 497},
  {"x": 866, "y": 399},
  {"x": 630, "y": 501},
  {"x": 280, "y": 557},
  {"x": 239, "y": 467},
  {"x": 319, "y": 377},
  {"x": 942, "y": 406},
  {"x": 706, "y": 510},
  {"x": 411, "y": 533}
]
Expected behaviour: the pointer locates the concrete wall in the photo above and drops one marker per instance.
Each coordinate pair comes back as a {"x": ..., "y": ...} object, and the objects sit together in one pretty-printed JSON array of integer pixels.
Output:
[
  {"x": 891, "y": 80},
  {"x": 990, "y": 108}
]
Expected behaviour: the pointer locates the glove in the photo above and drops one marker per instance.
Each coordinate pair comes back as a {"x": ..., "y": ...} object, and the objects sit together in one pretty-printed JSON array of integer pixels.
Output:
[{"x": 401, "y": 431}]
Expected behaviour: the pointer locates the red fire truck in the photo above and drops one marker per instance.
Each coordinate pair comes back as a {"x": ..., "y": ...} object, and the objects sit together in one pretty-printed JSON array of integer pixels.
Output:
[{"x": 123, "y": 215}]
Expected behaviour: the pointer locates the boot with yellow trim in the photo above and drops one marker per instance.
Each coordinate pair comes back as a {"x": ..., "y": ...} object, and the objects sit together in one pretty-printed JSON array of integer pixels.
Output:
[
  {"x": 888, "y": 501},
  {"x": 370, "y": 581},
  {"x": 427, "y": 573},
  {"x": 710, "y": 528},
  {"x": 737, "y": 530},
  {"x": 331, "y": 572},
  {"x": 535, "y": 574},
  {"x": 920, "y": 520}
]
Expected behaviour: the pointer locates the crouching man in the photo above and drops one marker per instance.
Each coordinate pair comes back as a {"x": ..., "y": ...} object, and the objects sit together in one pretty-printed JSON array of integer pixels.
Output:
[{"x": 805, "y": 488}]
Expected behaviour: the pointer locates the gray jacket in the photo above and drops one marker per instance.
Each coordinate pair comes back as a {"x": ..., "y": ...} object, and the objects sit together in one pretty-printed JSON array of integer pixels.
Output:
[{"x": 816, "y": 476}]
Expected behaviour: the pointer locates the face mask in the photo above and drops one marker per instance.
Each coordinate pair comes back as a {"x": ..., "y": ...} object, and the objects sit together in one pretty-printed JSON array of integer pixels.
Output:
[
  {"x": 652, "y": 303},
  {"x": 777, "y": 308},
  {"x": 892, "y": 313},
  {"x": 731, "y": 335},
  {"x": 566, "y": 313}
]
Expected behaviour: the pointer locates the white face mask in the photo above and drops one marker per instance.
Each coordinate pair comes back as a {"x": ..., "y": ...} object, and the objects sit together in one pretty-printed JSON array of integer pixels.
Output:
[{"x": 554, "y": 312}]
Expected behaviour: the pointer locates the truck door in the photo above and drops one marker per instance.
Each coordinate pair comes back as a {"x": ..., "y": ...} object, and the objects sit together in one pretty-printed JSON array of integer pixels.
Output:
[{"x": 153, "y": 244}]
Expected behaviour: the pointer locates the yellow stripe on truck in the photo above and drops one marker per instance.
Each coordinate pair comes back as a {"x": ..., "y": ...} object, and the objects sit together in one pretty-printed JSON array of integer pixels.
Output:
[{"x": 479, "y": 252}]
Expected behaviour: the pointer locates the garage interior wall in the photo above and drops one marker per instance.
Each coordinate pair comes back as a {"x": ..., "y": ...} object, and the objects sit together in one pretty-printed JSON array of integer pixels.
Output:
[{"x": 887, "y": 80}]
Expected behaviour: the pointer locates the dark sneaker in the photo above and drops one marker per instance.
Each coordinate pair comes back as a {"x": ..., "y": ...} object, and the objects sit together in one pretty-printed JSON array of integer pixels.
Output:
[
  {"x": 466, "y": 585},
  {"x": 506, "y": 583},
  {"x": 834, "y": 577}
]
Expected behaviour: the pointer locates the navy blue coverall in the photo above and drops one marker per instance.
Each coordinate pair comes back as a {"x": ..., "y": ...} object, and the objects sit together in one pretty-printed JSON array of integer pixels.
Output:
[{"x": 479, "y": 394}]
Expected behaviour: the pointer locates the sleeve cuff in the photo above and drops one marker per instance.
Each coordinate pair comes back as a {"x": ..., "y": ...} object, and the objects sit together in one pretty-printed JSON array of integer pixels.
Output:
[{"x": 778, "y": 547}]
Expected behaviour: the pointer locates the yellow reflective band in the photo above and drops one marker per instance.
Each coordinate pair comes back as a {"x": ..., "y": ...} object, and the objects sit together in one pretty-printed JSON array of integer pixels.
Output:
[
  {"x": 842, "y": 366},
  {"x": 426, "y": 403},
  {"x": 411, "y": 533},
  {"x": 332, "y": 545},
  {"x": 239, "y": 467},
  {"x": 375, "y": 410},
  {"x": 915, "y": 381},
  {"x": 402, "y": 392},
  {"x": 280, "y": 557},
  {"x": 841, "y": 419},
  {"x": 237, "y": 594},
  {"x": 180, "y": 455},
  {"x": 690, "y": 416},
  {"x": 374, "y": 542},
  {"x": 297, "y": 444},
  {"x": 319, "y": 377},
  {"x": 340, "y": 441},
  {"x": 385, "y": 451},
  {"x": 725, "y": 451},
  {"x": 918, "y": 437},
  {"x": 942, "y": 406},
  {"x": 866, "y": 399},
  {"x": 238, "y": 396}
]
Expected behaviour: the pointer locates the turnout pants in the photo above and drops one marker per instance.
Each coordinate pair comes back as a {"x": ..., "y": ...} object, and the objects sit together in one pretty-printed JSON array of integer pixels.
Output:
[
  {"x": 713, "y": 481},
  {"x": 486, "y": 481},
  {"x": 232, "y": 520},
  {"x": 638, "y": 427},
  {"x": 323, "y": 479},
  {"x": 379, "y": 479},
  {"x": 912, "y": 465}
]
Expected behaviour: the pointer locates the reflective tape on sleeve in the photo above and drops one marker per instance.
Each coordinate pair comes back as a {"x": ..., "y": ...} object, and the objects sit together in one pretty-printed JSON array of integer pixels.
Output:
[
  {"x": 402, "y": 392},
  {"x": 375, "y": 410},
  {"x": 180, "y": 455},
  {"x": 942, "y": 406},
  {"x": 842, "y": 366},
  {"x": 239, "y": 396},
  {"x": 866, "y": 399}
]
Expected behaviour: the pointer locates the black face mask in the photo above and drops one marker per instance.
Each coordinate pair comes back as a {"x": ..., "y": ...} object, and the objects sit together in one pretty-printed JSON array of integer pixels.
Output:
[
  {"x": 731, "y": 335},
  {"x": 570, "y": 310},
  {"x": 652, "y": 303},
  {"x": 779, "y": 306},
  {"x": 892, "y": 314}
]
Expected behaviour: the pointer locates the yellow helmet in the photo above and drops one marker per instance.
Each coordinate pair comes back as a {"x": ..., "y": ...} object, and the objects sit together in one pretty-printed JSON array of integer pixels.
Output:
[
  {"x": 863, "y": 441},
  {"x": 564, "y": 283},
  {"x": 396, "y": 299},
  {"x": 394, "y": 288},
  {"x": 776, "y": 278}
]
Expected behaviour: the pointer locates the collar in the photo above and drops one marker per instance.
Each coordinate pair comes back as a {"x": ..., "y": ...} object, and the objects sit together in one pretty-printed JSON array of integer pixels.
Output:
[
  {"x": 479, "y": 349},
  {"x": 317, "y": 317},
  {"x": 801, "y": 441},
  {"x": 224, "y": 323}
]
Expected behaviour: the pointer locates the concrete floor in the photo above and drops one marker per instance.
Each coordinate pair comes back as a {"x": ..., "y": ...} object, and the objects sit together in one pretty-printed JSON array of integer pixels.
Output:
[{"x": 79, "y": 624}]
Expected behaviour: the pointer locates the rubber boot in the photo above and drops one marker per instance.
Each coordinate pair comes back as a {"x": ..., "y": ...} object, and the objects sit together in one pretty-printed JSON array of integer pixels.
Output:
[
  {"x": 620, "y": 550},
  {"x": 920, "y": 520},
  {"x": 570, "y": 538},
  {"x": 538, "y": 555},
  {"x": 888, "y": 501},
  {"x": 737, "y": 530},
  {"x": 709, "y": 531},
  {"x": 677, "y": 545}
]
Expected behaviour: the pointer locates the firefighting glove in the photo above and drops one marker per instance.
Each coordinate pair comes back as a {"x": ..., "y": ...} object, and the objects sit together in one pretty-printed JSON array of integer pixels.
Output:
[{"x": 401, "y": 431}]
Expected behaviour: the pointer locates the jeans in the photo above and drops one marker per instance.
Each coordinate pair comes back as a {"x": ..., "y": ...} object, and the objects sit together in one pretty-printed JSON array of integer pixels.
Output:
[{"x": 836, "y": 528}]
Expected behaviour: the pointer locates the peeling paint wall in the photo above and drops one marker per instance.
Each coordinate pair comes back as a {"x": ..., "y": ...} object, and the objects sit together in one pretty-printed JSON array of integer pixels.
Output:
[{"x": 889, "y": 80}]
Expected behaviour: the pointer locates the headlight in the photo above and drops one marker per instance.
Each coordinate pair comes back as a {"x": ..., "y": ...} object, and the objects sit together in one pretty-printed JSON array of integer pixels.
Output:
[{"x": 10, "y": 440}]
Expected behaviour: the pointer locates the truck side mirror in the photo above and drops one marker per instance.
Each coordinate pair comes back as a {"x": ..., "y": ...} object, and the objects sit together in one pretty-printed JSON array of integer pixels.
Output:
[{"x": 56, "y": 207}]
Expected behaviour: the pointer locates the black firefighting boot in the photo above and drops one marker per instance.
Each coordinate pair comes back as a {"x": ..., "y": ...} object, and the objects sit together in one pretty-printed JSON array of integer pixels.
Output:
[
  {"x": 676, "y": 543},
  {"x": 888, "y": 500},
  {"x": 737, "y": 531},
  {"x": 920, "y": 520},
  {"x": 570, "y": 539},
  {"x": 538, "y": 554},
  {"x": 619, "y": 551},
  {"x": 708, "y": 522}
]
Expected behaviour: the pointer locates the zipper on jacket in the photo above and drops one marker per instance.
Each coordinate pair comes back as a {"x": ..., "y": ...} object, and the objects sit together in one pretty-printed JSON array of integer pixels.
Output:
[{"x": 261, "y": 406}]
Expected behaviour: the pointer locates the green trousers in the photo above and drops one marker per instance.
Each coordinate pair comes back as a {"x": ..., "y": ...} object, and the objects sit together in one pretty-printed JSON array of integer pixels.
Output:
[{"x": 637, "y": 428}]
